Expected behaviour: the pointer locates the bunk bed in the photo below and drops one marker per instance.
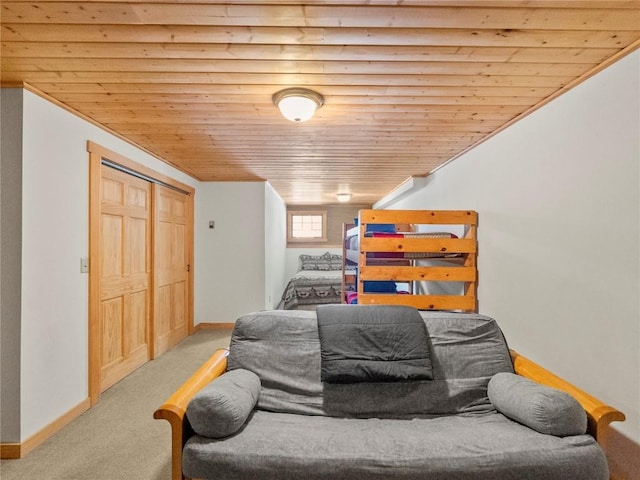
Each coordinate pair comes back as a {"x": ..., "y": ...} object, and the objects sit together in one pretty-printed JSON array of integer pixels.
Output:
[
  {"x": 318, "y": 281},
  {"x": 423, "y": 258}
]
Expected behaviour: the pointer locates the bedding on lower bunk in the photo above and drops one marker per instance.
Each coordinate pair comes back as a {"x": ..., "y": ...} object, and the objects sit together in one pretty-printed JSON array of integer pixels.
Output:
[
  {"x": 312, "y": 288},
  {"x": 318, "y": 281}
]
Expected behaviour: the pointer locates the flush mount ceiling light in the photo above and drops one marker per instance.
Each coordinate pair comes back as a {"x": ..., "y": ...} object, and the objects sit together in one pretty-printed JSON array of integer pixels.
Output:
[
  {"x": 343, "y": 197},
  {"x": 297, "y": 104}
]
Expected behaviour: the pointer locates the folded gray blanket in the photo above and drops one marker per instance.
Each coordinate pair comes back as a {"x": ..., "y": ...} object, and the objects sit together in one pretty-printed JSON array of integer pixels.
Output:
[{"x": 372, "y": 343}]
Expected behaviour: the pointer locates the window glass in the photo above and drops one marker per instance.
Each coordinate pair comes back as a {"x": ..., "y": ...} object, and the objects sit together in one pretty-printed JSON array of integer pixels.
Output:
[{"x": 307, "y": 226}]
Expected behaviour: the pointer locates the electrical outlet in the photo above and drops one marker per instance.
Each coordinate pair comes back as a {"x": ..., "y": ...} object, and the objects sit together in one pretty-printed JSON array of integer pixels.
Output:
[{"x": 84, "y": 265}]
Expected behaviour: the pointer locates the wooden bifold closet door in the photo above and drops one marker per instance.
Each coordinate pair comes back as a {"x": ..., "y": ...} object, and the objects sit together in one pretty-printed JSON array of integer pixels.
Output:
[{"x": 140, "y": 254}]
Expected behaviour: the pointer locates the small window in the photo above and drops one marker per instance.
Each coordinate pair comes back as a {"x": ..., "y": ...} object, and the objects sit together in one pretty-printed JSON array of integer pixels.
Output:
[{"x": 307, "y": 226}]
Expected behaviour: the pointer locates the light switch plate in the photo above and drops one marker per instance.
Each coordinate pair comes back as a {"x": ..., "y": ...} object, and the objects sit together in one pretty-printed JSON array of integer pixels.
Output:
[{"x": 84, "y": 265}]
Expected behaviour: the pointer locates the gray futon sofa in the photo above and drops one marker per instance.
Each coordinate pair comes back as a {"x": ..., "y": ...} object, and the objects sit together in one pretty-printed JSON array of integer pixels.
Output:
[{"x": 291, "y": 402}]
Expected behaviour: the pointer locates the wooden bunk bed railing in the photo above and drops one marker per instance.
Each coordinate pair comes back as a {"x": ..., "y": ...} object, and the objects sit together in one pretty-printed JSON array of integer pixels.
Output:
[{"x": 459, "y": 253}]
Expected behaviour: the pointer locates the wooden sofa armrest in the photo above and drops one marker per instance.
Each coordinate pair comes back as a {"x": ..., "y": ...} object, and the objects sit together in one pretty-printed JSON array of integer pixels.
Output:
[
  {"x": 599, "y": 414},
  {"x": 174, "y": 409}
]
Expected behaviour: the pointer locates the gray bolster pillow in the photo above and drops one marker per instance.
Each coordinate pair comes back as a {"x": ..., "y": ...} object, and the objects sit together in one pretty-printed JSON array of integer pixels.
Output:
[
  {"x": 544, "y": 409},
  {"x": 222, "y": 407}
]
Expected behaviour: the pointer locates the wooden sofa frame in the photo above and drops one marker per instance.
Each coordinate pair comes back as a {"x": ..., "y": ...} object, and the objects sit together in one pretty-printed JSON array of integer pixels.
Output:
[{"x": 599, "y": 415}]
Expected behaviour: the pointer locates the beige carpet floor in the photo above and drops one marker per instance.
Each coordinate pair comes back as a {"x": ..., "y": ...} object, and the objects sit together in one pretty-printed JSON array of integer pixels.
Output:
[{"x": 118, "y": 438}]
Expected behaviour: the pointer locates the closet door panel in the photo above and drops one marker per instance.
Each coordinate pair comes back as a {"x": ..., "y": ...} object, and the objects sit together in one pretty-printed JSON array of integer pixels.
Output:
[
  {"x": 112, "y": 313},
  {"x": 170, "y": 268},
  {"x": 125, "y": 241},
  {"x": 138, "y": 261},
  {"x": 163, "y": 290},
  {"x": 179, "y": 304},
  {"x": 111, "y": 245},
  {"x": 136, "y": 335},
  {"x": 163, "y": 313},
  {"x": 179, "y": 273}
]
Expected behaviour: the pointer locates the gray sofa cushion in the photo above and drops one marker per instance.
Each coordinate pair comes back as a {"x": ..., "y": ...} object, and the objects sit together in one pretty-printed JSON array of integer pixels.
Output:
[
  {"x": 283, "y": 349},
  {"x": 371, "y": 343},
  {"x": 546, "y": 410},
  {"x": 277, "y": 446},
  {"x": 222, "y": 407}
]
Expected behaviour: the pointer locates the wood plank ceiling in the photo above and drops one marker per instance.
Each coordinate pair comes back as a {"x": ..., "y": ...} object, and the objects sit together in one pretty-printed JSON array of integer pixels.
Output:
[{"x": 408, "y": 84}]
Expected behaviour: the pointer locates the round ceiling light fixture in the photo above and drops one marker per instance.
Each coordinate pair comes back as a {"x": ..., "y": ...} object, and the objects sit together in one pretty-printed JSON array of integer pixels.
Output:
[
  {"x": 343, "y": 197},
  {"x": 297, "y": 104}
]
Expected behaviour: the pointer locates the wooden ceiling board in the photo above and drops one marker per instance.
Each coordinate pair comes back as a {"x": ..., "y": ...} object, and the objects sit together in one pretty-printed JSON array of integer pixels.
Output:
[{"x": 408, "y": 84}]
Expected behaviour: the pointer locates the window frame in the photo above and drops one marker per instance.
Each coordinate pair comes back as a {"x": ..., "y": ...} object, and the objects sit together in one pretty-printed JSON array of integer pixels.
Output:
[{"x": 299, "y": 240}]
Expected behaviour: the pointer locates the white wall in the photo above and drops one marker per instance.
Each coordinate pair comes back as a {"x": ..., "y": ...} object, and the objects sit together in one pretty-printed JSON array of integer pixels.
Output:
[
  {"x": 558, "y": 196},
  {"x": 275, "y": 246},
  {"x": 55, "y": 228},
  {"x": 229, "y": 259},
  {"x": 50, "y": 334}
]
